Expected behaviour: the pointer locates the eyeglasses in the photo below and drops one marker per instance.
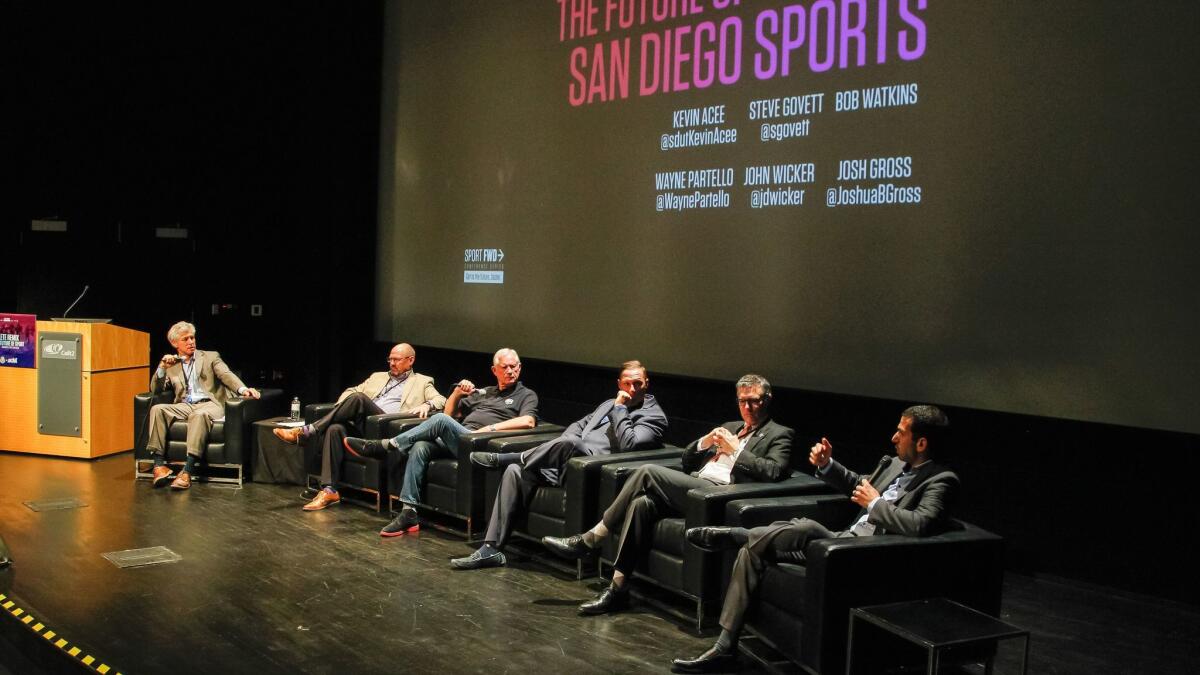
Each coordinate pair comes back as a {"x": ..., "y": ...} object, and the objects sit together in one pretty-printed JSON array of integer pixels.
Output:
[
  {"x": 749, "y": 401},
  {"x": 402, "y": 358}
]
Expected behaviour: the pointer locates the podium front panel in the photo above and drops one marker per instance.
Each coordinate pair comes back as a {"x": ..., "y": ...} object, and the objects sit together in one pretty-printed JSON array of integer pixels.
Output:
[{"x": 60, "y": 377}]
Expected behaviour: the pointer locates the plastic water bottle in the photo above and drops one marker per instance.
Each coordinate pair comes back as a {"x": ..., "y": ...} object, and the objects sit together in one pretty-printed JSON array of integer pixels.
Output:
[{"x": 295, "y": 409}]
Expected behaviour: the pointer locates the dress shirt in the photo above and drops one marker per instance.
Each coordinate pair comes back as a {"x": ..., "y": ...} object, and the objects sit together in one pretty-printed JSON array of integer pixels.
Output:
[
  {"x": 862, "y": 526},
  {"x": 720, "y": 468},
  {"x": 391, "y": 396}
]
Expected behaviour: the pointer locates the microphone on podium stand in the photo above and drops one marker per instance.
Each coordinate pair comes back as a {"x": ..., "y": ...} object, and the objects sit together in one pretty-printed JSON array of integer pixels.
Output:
[
  {"x": 85, "y": 290},
  {"x": 64, "y": 314}
]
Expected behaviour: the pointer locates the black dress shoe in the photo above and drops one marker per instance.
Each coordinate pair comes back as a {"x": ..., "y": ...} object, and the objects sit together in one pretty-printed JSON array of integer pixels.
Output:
[
  {"x": 488, "y": 460},
  {"x": 715, "y": 660},
  {"x": 495, "y": 460},
  {"x": 478, "y": 560},
  {"x": 610, "y": 599},
  {"x": 571, "y": 548},
  {"x": 711, "y": 538},
  {"x": 361, "y": 447}
]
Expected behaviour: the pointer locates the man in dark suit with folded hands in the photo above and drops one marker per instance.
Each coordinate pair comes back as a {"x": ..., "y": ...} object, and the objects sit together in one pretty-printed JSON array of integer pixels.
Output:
[
  {"x": 916, "y": 495},
  {"x": 753, "y": 449},
  {"x": 630, "y": 421}
]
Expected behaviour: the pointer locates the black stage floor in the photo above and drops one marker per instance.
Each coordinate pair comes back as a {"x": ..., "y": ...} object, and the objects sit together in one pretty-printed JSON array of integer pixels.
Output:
[{"x": 265, "y": 587}]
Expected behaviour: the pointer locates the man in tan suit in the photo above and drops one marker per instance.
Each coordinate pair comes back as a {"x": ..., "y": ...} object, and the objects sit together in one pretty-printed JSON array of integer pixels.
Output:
[
  {"x": 398, "y": 390},
  {"x": 201, "y": 382}
]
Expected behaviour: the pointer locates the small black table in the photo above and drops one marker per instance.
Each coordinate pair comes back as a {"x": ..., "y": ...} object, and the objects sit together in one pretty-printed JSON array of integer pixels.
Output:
[
  {"x": 274, "y": 460},
  {"x": 937, "y": 624}
]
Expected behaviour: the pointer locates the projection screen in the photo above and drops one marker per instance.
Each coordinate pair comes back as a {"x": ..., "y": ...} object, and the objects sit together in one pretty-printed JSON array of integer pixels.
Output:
[{"x": 981, "y": 204}]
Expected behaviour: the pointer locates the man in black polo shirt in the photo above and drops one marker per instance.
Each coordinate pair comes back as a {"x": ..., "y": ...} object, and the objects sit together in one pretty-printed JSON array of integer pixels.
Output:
[{"x": 507, "y": 406}]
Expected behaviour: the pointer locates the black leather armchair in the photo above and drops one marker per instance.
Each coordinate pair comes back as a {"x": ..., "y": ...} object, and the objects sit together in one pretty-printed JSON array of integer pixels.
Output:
[
  {"x": 571, "y": 507},
  {"x": 228, "y": 441},
  {"x": 453, "y": 487},
  {"x": 804, "y": 611},
  {"x": 359, "y": 474},
  {"x": 672, "y": 563}
]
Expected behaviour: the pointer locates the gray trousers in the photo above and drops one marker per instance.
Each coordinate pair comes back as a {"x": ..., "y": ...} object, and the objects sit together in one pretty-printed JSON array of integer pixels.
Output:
[
  {"x": 350, "y": 414},
  {"x": 541, "y": 465},
  {"x": 652, "y": 493},
  {"x": 781, "y": 541},
  {"x": 199, "y": 418}
]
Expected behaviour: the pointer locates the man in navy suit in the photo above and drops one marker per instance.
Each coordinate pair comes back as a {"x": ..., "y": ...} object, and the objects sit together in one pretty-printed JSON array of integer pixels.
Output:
[
  {"x": 631, "y": 420},
  {"x": 909, "y": 494}
]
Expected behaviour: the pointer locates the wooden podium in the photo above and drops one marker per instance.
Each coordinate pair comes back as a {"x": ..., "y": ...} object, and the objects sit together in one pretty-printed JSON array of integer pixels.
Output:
[{"x": 114, "y": 364}]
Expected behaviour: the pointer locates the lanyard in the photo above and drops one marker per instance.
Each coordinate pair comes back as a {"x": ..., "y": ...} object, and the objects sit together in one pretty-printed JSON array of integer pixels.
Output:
[
  {"x": 188, "y": 372},
  {"x": 391, "y": 386}
]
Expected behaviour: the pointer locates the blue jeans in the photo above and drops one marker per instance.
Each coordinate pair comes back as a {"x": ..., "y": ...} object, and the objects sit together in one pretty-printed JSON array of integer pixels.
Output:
[{"x": 435, "y": 436}]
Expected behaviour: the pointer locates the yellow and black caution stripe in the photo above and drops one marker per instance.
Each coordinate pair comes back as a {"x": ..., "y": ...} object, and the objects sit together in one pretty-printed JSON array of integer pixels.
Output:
[{"x": 54, "y": 639}]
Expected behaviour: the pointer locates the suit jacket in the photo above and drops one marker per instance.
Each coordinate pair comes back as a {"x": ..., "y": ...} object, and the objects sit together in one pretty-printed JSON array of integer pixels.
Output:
[
  {"x": 624, "y": 430},
  {"x": 420, "y": 390},
  {"x": 920, "y": 510},
  {"x": 765, "y": 459},
  {"x": 214, "y": 376}
]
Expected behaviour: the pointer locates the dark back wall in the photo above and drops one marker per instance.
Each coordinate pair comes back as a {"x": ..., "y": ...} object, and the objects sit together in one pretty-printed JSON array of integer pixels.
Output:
[
  {"x": 256, "y": 129},
  {"x": 253, "y": 127}
]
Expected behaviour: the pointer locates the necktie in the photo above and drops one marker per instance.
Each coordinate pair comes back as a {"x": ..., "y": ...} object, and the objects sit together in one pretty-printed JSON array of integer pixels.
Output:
[{"x": 745, "y": 431}]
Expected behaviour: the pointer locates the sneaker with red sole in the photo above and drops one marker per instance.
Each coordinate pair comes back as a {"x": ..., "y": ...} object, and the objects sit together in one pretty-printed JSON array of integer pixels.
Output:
[
  {"x": 406, "y": 522},
  {"x": 361, "y": 447}
]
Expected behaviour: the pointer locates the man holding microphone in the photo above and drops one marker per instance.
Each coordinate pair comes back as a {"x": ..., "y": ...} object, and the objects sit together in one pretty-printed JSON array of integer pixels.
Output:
[{"x": 201, "y": 383}]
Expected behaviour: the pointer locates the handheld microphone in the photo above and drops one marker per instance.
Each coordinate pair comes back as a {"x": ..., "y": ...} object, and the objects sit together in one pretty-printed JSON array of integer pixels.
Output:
[
  {"x": 883, "y": 463},
  {"x": 85, "y": 290}
]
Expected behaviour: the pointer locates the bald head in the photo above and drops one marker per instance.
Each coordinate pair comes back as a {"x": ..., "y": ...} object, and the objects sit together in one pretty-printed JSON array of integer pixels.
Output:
[{"x": 401, "y": 359}]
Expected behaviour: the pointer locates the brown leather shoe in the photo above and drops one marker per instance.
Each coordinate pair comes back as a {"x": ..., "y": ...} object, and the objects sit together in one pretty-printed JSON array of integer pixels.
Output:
[
  {"x": 289, "y": 435},
  {"x": 323, "y": 499},
  {"x": 182, "y": 482},
  {"x": 162, "y": 475}
]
